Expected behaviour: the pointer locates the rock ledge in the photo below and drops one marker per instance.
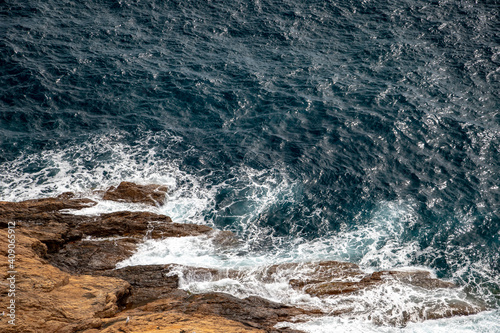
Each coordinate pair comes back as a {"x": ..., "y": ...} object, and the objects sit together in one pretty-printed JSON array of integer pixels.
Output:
[{"x": 65, "y": 268}]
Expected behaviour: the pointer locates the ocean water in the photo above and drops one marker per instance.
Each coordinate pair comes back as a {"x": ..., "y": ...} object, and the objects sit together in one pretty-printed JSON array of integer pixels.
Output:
[{"x": 363, "y": 131}]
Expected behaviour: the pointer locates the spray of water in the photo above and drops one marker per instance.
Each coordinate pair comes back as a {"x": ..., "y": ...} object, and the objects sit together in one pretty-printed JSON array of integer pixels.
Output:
[{"x": 378, "y": 243}]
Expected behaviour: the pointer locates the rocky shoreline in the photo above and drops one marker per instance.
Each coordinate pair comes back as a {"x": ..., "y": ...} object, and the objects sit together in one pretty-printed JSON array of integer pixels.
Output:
[{"x": 66, "y": 278}]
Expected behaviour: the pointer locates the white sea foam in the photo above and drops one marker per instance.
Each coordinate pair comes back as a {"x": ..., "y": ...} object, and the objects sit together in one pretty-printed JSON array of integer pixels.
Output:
[
  {"x": 485, "y": 322},
  {"x": 56, "y": 171},
  {"x": 374, "y": 244},
  {"x": 391, "y": 303}
]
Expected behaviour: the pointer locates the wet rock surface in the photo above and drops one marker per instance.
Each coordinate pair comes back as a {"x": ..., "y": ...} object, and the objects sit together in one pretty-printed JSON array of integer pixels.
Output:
[
  {"x": 149, "y": 283},
  {"x": 86, "y": 244},
  {"x": 129, "y": 192},
  {"x": 93, "y": 256},
  {"x": 333, "y": 277},
  {"x": 41, "y": 208},
  {"x": 252, "y": 311},
  {"x": 66, "y": 269}
]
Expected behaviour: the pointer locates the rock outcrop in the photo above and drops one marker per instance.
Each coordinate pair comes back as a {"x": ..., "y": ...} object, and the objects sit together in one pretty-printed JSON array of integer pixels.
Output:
[
  {"x": 327, "y": 278},
  {"x": 153, "y": 194},
  {"x": 65, "y": 267},
  {"x": 41, "y": 208},
  {"x": 88, "y": 244},
  {"x": 50, "y": 300}
]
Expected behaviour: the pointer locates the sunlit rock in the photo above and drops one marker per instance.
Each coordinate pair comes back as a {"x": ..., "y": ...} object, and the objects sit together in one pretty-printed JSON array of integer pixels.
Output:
[
  {"x": 152, "y": 194},
  {"x": 50, "y": 300}
]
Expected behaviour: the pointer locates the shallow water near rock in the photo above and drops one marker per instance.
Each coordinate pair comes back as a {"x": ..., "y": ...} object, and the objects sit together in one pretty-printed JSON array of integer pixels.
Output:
[{"x": 365, "y": 132}]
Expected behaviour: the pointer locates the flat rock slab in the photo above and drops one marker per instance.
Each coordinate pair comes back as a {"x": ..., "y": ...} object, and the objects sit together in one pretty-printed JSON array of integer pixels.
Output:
[
  {"x": 138, "y": 224},
  {"x": 31, "y": 209},
  {"x": 172, "y": 322},
  {"x": 253, "y": 313},
  {"x": 88, "y": 256},
  {"x": 152, "y": 194}
]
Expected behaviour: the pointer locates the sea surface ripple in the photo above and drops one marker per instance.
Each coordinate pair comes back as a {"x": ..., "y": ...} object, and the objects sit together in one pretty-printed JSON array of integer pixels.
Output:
[{"x": 372, "y": 124}]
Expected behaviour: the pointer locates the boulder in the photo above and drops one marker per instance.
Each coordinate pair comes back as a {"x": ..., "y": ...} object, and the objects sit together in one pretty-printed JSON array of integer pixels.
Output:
[{"x": 153, "y": 194}]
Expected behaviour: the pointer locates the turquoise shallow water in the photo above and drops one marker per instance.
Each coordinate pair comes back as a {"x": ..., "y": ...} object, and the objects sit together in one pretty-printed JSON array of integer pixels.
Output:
[{"x": 370, "y": 125}]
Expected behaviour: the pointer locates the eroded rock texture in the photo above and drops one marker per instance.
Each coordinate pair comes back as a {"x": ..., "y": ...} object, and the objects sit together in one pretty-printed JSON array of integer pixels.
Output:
[
  {"x": 129, "y": 192},
  {"x": 65, "y": 268}
]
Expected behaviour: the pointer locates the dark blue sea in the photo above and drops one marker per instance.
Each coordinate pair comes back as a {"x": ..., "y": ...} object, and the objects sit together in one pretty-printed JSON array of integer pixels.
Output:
[{"x": 363, "y": 131}]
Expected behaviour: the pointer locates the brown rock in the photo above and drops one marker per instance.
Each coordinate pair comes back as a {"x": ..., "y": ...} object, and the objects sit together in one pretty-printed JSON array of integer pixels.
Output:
[
  {"x": 327, "y": 278},
  {"x": 63, "y": 201},
  {"x": 153, "y": 194},
  {"x": 114, "y": 237},
  {"x": 173, "y": 322},
  {"x": 43, "y": 218},
  {"x": 53, "y": 300},
  {"x": 154, "y": 290},
  {"x": 49, "y": 300},
  {"x": 252, "y": 314},
  {"x": 40, "y": 208},
  {"x": 55, "y": 228},
  {"x": 92, "y": 256},
  {"x": 450, "y": 309},
  {"x": 252, "y": 311},
  {"x": 138, "y": 224},
  {"x": 333, "y": 277},
  {"x": 331, "y": 288},
  {"x": 127, "y": 224},
  {"x": 148, "y": 283},
  {"x": 316, "y": 271},
  {"x": 65, "y": 234},
  {"x": 51, "y": 232}
]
